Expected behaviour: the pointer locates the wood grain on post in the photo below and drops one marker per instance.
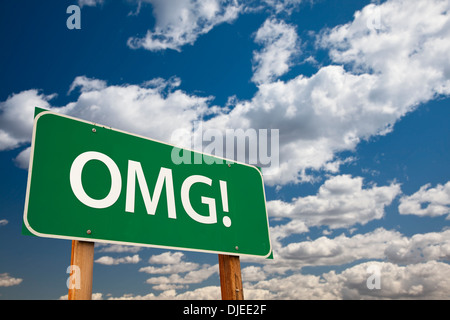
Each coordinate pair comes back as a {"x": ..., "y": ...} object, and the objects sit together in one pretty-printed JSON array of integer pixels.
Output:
[
  {"x": 83, "y": 260},
  {"x": 230, "y": 278}
]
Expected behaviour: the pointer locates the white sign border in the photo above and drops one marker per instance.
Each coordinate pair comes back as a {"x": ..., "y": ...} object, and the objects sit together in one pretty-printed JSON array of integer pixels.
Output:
[{"x": 44, "y": 235}]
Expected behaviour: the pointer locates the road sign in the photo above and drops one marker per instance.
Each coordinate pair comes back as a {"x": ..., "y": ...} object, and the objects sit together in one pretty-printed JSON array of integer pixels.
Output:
[{"x": 89, "y": 182}]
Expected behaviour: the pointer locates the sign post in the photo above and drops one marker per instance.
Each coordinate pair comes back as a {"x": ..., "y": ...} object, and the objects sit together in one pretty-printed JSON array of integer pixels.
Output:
[
  {"x": 82, "y": 265},
  {"x": 230, "y": 278}
]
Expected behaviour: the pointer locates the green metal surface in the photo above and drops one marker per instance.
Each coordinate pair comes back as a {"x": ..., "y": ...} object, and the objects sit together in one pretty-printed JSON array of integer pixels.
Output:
[{"x": 53, "y": 209}]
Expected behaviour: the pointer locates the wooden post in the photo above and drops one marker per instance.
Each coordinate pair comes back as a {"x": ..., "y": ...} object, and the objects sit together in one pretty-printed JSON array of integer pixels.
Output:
[
  {"x": 230, "y": 278},
  {"x": 82, "y": 263}
]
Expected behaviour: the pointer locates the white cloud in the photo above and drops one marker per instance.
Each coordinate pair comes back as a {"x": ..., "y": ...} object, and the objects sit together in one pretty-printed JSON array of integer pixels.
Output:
[
  {"x": 412, "y": 269},
  {"x": 95, "y": 296},
  {"x": 419, "y": 248},
  {"x": 252, "y": 273},
  {"x": 181, "y": 273},
  {"x": 294, "y": 226},
  {"x": 209, "y": 292},
  {"x": 166, "y": 258},
  {"x": 340, "y": 202},
  {"x": 326, "y": 251},
  {"x": 411, "y": 43},
  {"x": 171, "y": 268},
  {"x": 16, "y": 117},
  {"x": 204, "y": 293},
  {"x": 106, "y": 260},
  {"x": 3, "y": 222},
  {"x": 317, "y": 117},
  {"x": 380, "y": 244},
  {"x": 181, "y": 22},
  {"x": 89, "y": 3},
  {"x": 87, "y": 84},
  {"x": 382, "y": 75},
  {"x": 7, "y": 281},
  {"x": 280, "y": 45},
  {"x": 428, "y": 280},
  {"x": 195, "y": 276},
  {"x": 285, "y": 6},
  {"x": 387, "y": 72},
  {"x": 116, "y": 248},
  {"x": 154, "y": 110},
  {"x": 23, "y": 159},
  {"x": 427, "y": 201}
]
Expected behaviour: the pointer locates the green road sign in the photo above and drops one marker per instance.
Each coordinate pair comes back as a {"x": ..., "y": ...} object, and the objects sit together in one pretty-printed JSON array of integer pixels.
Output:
[{"x": 93, "y": 183}]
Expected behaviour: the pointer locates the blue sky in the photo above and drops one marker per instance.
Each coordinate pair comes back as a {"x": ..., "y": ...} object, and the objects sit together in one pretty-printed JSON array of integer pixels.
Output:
[{"x": 359, "y": 91}]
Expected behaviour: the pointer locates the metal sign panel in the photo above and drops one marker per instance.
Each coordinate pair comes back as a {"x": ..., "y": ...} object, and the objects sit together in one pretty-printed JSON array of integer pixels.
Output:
[{"x": 94, "y": 183}]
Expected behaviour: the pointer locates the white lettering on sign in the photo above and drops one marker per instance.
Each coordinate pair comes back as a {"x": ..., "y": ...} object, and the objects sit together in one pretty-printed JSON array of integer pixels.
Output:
[
  {"x": 165, "y": 175},
  {"x": 187, "y": 184},
  {"x": 77, "y": 186},
  {"x": 151, "y": 202}
]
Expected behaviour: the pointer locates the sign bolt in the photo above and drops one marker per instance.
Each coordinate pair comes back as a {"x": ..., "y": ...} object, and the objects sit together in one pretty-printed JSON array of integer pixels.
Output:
[
  {"x": 94, "y": 130},
  {"x": 89, "y": 232},
  {"x": 237, "y": 248}
]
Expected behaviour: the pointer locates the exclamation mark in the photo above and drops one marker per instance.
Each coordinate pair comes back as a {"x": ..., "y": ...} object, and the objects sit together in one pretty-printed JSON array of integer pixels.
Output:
[{"x": 224, "y": 193}]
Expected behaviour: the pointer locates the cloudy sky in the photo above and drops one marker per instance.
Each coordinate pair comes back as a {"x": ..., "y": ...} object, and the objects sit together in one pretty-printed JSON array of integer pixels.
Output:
[{"x": 359, "y": 91}]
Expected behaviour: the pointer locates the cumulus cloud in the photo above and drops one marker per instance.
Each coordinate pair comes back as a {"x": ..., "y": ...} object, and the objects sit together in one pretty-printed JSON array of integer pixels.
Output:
[
  {"x": 171, "y": 268},
  {"x": 377, "y": 76},
  {"x": 16, "y": 117},
  {"x": 167, "y": 258},
  {"x": 194, "y": 276},
  {"x": 150, "y": 111},
  {"x": 409, "y": 43},
  {"x": 340, "y": 202},
  {"x": 419, "y": 248},
  {"x": 340, "y": 250},
  {"x": 107, "y": 260},
  {"x": 253, "y": 273},
  {"x": 285, "y": 6},
  {"x": 181, "y": 22},
  {"x": 7, "y": 281},
  {"x": 428, "y": 280},
  {"x": 87, "y": 84},
  {"x": 280, "y": 45},
  {"x": 156, "y": 109},
  {"x": 95, "y": 296},
  {"x": 204, "y": 293},
  {"x": 103, "y": 247},
  {"x": 380, "y": 244},
  {"x": 418, "y": 281},
  {"x": 89, "y": 3},
  {"x": 431, "y": 202},
  {"x": 408, "y": 267},
  {"x": 180, "y": 273},
  {"x": 23, "y": 158}
]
